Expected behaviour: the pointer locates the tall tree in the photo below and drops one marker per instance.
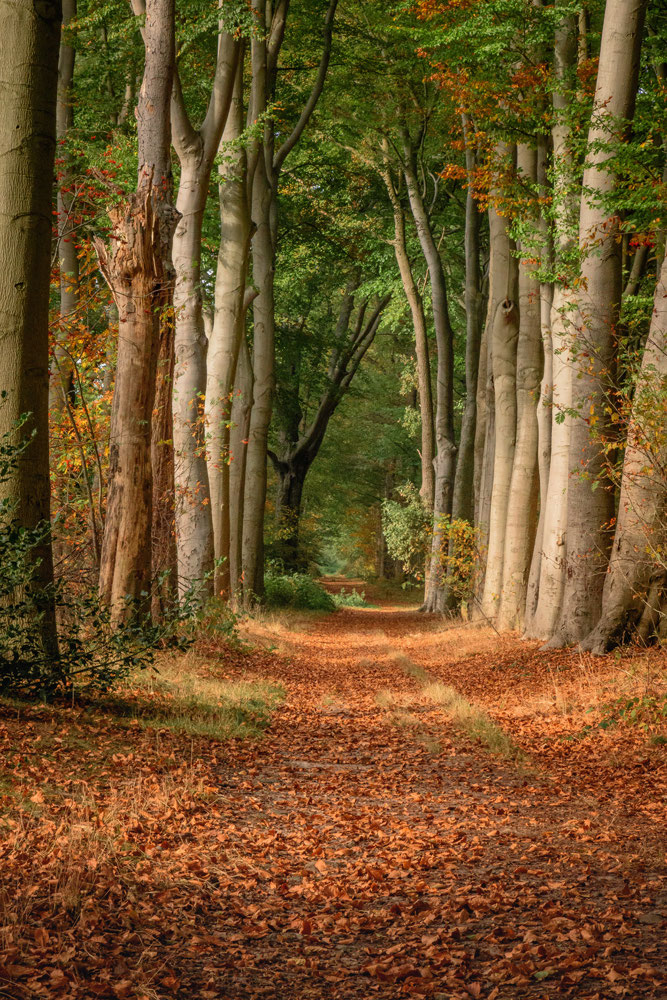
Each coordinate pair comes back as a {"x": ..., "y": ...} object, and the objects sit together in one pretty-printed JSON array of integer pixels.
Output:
[
  {"x": 138, "y": 269},
  {"x": 300, "y": 445},
  {"x": 445, "y": 457},
  {"x": 196, "y": 150},
  {"x": 589, "y": 509},
  {"x": 266, "y": 164},
  {"x": 28, "y": 88},
  {"x": 634, "y": 588},
  {"x": 225, "y": 341}
]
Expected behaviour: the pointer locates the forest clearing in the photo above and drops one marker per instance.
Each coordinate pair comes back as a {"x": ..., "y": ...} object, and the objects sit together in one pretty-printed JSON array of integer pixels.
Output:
[{"x": 333, "y": 499}]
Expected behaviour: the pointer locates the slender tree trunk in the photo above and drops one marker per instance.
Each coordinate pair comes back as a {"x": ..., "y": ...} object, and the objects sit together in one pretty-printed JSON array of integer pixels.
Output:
[
  {"x": 416, "y": 306},
  {"x": 62, "y": 378},
  {"x": 262, "y": 364},
  {"x": 28, "y": 86},
  {"x": 194, "y": 528},
  {"x": 139, "y": 271},
  {"x": 504, "y": 334},
  {"x": 228, "y": 332},
  {"x": 550, "y": 563},
  {"x": 545, "y": 403},
  {"x": 463, "y": 504},
  {"x": 445, "y": 461},
  {"x": 240, "y": 429},
  {"x": 481, "y": 425},
  {"x": 487, "y": 436},
  {"x": 635, "y": 581},
  {"x": 163, "y": 537},
  {"x": 521, "y": 523},
  {"x": 589, "y": 509}
]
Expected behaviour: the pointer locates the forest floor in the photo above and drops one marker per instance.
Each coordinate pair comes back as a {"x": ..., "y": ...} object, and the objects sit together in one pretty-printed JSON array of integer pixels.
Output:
[{"x": 387, "y": 806}]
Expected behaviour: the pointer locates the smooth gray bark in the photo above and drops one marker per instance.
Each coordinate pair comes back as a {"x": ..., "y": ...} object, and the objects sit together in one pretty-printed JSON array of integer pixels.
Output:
[{"x": 589, "y": 509}]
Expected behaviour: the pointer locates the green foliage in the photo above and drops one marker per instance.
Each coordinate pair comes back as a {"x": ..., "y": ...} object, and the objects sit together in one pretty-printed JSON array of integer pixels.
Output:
[
  {"x": 648, "y": 712},
  {"x": 406, "y": 523},
  {"x": 93, "y": 652},
  {"x": 299, "y": 591},
  {"x": 460, "y": 557},
  {"x": 350, "y": 599}
]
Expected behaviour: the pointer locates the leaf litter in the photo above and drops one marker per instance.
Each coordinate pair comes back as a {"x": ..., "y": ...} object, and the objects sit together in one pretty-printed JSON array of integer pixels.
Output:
[{"x": 364, "y": 845}]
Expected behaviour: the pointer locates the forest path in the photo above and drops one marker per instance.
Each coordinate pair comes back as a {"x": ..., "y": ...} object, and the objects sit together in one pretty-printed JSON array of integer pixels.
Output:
[{"x": 379, "y": 851}]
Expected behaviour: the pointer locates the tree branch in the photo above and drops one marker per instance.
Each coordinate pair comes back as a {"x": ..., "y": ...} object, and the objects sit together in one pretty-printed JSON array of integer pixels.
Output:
[
  {"x": 230, "y": 51},
  {"x": 315, "y": 93}
]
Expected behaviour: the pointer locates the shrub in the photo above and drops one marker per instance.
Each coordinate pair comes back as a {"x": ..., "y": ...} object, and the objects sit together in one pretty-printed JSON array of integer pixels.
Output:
[
  {"x": 298, "y": 591},
  {"x": 92, "y": 652},
  {"x": 406, "y": 524},
  {"x": 353, "y": 599}
]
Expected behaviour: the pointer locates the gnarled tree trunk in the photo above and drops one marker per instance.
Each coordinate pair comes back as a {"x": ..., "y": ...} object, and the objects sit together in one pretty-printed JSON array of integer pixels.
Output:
[{"x": 139, "y": 271}]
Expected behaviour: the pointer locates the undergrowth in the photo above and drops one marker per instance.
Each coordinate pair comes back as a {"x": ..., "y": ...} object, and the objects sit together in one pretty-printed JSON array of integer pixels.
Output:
[
  {"x": 177, "y": 697},
  {"x": 299, "y": 591},
  {"x": 350, "y": 599}
]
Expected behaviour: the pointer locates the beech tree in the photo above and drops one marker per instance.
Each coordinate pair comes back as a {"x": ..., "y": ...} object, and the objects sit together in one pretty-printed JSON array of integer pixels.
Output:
[
  {"x": 491, "y": 187},
  {"x": 598, "y": 302},
  {"x": 139, "y": 271},
  {"x": 29, "y": 83},
  {"x": 196, "y": 150}
]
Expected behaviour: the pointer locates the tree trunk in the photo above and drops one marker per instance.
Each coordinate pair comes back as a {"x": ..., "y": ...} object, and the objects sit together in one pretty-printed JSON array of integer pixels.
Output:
[
  {"x": 485, "y": 442},
  {"x": 262, "y": 365},
  {"x": 164, "y": 568},
  {"x": 196, "y": 150},
  {"x": 463, "y": 504},
  {"x": 590, "y": 509},
  {"x": 62, "y": 378},
  {"x": 240, "y": 429},
  {"x": 504, "y": 334},
  {"x": 227, "y": 334},
  {"x": 548, "y": 588},
  {"x": 194, "y": 528},
  {"x": 291, "y": 479},
  {"x": 29, "y": 80},
  {"x": 635, "y": 581},
  {"x": 416, "y": 306},
  {"x": 139, "y": 271},
  {"x": 545, "y": 403},
  {"x": 445, "y": 461},
  {"x": 521, "y": 522}
]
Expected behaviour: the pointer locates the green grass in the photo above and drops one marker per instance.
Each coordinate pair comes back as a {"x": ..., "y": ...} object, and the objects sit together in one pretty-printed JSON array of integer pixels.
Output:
[
  {"x": 180, "y": 699},
  {"x": 471, "y": 719},
  {"x": 475, "y": 722}
]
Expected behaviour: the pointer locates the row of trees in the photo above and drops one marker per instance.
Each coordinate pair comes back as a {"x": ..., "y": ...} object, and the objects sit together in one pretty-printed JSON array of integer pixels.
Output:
[{"x": 456, "y": 208}]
